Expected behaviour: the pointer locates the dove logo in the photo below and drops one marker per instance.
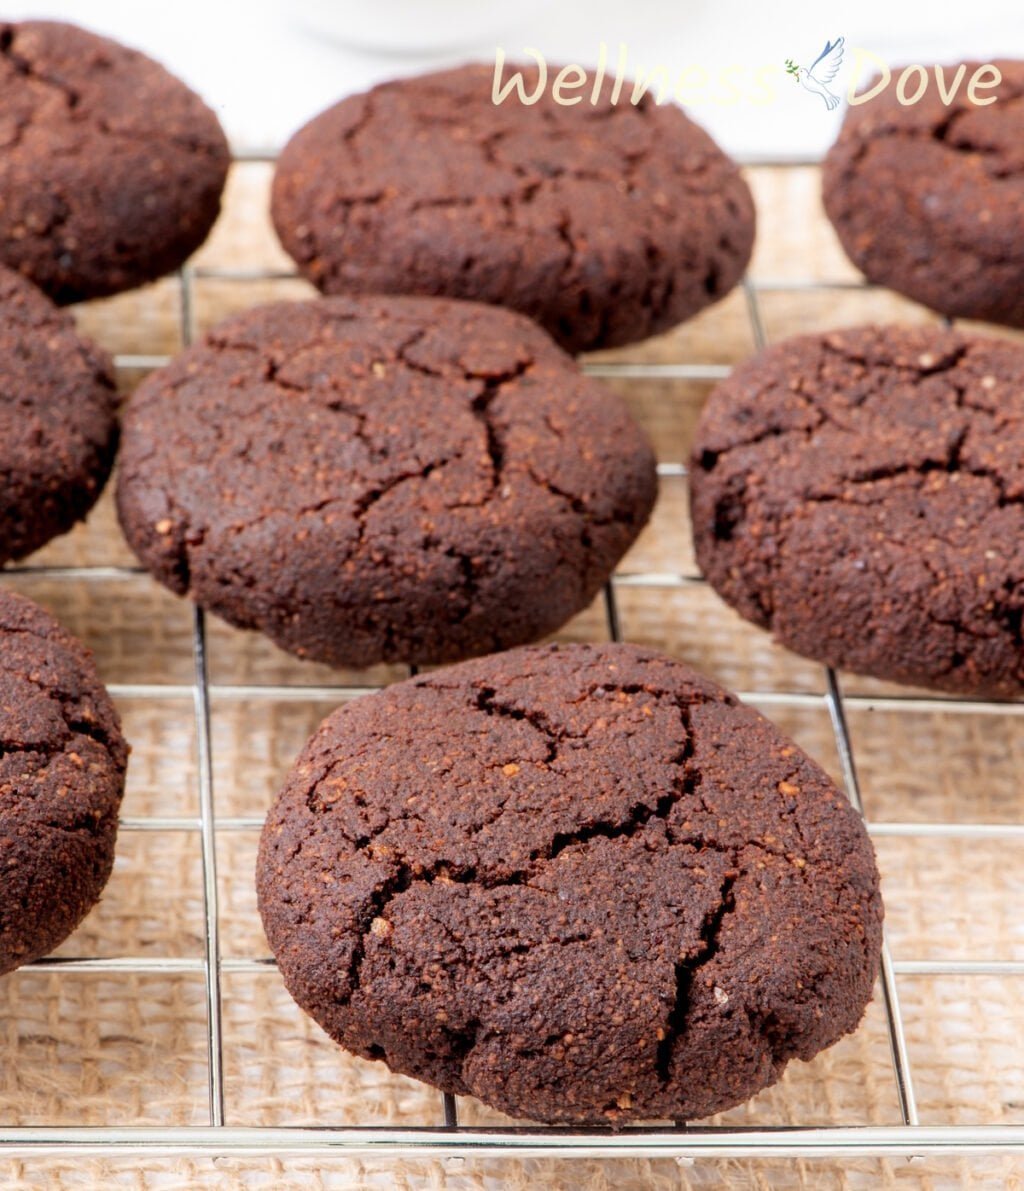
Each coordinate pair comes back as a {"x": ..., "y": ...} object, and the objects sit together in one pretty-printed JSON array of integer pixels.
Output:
[
  {"x": 911, "y": 84},
  {"x": 816, "y": 77}
]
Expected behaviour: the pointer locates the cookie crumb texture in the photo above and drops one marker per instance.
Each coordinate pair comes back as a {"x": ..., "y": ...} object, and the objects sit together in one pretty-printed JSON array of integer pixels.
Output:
[
  {"x": 929, "y": 199},
  {"x": 861, "y": 494},
  {"x": 62, "y": 767},
  {"x": 391, "y": 479},
  {"x": 603, "y": 223},
  {"x": 581, "y": 883},
  {"x": 111, "y": 169},
  {"x": 58, "y": 420}
]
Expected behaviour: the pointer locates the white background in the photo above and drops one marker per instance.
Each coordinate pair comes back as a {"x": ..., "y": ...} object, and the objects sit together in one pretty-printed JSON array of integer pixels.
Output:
[{"x": 266, "y": 66}]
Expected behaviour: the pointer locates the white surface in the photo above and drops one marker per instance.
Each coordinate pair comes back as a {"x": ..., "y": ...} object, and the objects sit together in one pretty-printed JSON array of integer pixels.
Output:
[{"x": 266, "y": 73}]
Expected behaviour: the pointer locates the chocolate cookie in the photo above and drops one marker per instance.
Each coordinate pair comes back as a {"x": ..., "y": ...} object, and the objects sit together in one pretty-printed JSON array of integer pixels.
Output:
[
  {"x": 578, "y": 882},
  {"x": 58, "y": 420},
  {"x": 111, "y": 169},
  {"x": 382, "y": 479},
  {"x": 928, "y": 199},
  {"x": 62, "y": 766},
  {"x": 861, "y": 494},
  {"x": 604, "y": 223}
]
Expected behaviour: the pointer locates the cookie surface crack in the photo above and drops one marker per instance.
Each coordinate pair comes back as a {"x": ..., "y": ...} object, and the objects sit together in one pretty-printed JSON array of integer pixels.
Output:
[
  {"x": 408, "y": 872},
  {"x": 24, "y": 66},
  {"x": 686, "y": 971}
]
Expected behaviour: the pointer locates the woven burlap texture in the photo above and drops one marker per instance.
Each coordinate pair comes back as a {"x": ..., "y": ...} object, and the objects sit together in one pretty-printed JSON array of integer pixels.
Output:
[{"x": 106, "y": 1049}]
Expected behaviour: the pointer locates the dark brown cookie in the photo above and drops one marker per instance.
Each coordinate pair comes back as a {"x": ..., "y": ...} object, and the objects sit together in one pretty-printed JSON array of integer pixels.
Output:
[
  {"x": 928, "y": 199},
  {"x": 861, "y": 494},
  {"x": 62, "y": 766},
  {"x": 111, "y": 169},
  {"x": 58, "y": 420},
  {"x": 578, "y": 882},
  {"x": 603, "y": 223},
  {"x": 382, "y": 479}
]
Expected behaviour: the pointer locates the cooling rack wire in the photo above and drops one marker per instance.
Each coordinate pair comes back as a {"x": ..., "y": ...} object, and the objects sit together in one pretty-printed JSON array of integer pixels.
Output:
[{"x": 451, "y": 1138}]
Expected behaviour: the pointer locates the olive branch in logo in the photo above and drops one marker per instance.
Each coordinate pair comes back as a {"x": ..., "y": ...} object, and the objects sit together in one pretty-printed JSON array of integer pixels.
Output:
[{"x": 821, "y": 72}]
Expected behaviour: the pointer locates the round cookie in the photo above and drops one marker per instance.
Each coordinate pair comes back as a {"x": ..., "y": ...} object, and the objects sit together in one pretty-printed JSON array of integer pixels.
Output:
[
  {"x": 928, "y": 199},
  {"x": 382, "y": 479},
  {"x": 62, "y": 767},
  {"x": 604, "y": 223},
  {"x": 111, "y": 169},
  {"x": 580, "y": 883},
  {"x": 861, "y": 494},
  {"x": 58, "y": 420}
]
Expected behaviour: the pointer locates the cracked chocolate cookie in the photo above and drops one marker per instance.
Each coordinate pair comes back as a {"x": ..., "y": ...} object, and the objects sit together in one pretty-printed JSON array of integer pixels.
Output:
[
  {"x": 861, "y": 494},
  {"x": 578, "y": 882},
  {"x": 604, "y": 223},
  {"x": 928, "y": 199},
  {"x": 58, "y": 420},
  {"x": 62, "y": 767},
  {"x": 111, "y": 169},
  {"x": 382, "y": 479}
]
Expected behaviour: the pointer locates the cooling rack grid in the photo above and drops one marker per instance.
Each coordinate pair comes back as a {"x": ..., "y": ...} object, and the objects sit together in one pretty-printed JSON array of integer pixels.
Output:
[{"x": 459, "y": 1130}]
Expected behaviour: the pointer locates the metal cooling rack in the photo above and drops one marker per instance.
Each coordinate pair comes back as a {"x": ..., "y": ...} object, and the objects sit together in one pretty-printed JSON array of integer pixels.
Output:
[{"x": 448, "y": 1139}]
